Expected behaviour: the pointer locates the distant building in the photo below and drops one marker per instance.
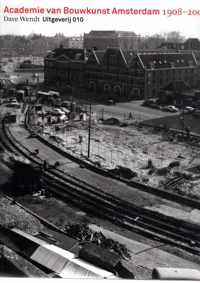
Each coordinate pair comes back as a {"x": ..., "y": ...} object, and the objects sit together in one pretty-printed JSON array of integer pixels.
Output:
[
  {"x": 172, "y": 45},
  {"x": 28, "y": 66},
  {"x": 192, "y": 44},
  {"x": 73, "y": 42},
  {"x": 101, "y": 40},
  {"x": 189, "y": 44}
]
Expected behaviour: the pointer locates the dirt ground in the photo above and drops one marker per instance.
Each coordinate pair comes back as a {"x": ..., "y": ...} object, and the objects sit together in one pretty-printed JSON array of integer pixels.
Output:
[{"x": 132, "y": 147}]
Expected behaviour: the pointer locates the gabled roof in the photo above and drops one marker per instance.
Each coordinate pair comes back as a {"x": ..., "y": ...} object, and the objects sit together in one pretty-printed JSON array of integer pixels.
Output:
[
  {"x": 63, "y": 57},
  {"x": 129, "y": 55},
  {"x": 166, "y": 60},
  {"x": 100, "y": 55},
  {"x": 96, "y": 57},
  {"x": 103, "y": 56},
  {"x": 121, "y": 57},
  {"x": 70, "y": 53}
]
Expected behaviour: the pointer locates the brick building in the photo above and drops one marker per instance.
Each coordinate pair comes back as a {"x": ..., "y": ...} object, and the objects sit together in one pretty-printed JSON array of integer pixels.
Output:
[
  {"x": 122, "y": 75},
  {"x": 162, "y": 68},
  {"x": 107, "y": 73},
  {"x": 140, "y": 75},
  {"x": 64, "y": 66}
]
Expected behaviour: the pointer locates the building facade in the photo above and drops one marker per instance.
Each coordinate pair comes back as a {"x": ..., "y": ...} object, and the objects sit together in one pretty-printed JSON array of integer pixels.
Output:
[
  {"x": 101, "y": 40},
  {"x": 64, "y": 66},
  {"x": 142, "y": 75},
  {"x": 73, "y": 42},
  {"x": 160, "y": 69},
  {"x": 121, "y": 75}
]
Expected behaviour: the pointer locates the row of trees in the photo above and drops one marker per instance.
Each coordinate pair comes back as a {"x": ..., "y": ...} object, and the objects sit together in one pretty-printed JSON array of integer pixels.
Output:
[
  {"x": 154, "y": 41},
  {"x": 34, "y": 44},
  {"x": 38, "y": 44}
]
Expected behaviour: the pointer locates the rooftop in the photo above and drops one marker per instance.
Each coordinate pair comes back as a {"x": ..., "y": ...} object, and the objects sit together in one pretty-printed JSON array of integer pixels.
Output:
[
  {"x": 107, "y": 33},
  {"x": 167, "y": 60}
]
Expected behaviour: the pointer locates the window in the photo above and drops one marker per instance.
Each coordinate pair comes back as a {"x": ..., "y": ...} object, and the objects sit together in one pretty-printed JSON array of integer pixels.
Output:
[{"x": 113, "y": 59}]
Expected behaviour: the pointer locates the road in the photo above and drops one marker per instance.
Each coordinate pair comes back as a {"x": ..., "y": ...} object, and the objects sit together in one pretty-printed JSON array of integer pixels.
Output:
[
  {"x": 121, "y": 111},
  {"x": 5, "y": 173}
]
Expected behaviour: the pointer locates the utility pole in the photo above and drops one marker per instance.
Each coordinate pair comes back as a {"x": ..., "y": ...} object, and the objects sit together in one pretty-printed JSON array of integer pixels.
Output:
[
  {"x": 183, "y": 117},
  {"x": 102, "y": 114},
  {"x": 89, "y": 131}
]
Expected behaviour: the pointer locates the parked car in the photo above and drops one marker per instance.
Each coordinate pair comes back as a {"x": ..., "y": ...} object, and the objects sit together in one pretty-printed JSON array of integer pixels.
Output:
[
  {"x": 13, "y": 105},
  {"x": 42, "y": 113},
  {"x": 65, "y": 110},
  {"x": 57, "y": 112},
  {"x": 196, "y": 112},
  {"x": 66, "y": 104},
  {"x": 188, "y": 109},
  {"x": 155, "y": 106},
  {"x": 147, "y": 102},
  {"x": 111, "y": 102},
  {"x": 13, "y": 100},
  {"x": 170, "y": 108}
]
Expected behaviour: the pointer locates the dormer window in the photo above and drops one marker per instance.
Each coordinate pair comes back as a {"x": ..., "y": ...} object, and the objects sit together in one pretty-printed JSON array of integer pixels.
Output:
[
  {"x": 78, "y": 56},
  {"x": 190, "y": 62},
  {"x": 151, "y": 65}
]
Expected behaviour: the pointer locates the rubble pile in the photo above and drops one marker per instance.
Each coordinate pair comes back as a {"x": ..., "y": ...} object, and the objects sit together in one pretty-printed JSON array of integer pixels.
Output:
[
  {"x": 83, "y": 233},
  {"x": 146, "y": 155}
]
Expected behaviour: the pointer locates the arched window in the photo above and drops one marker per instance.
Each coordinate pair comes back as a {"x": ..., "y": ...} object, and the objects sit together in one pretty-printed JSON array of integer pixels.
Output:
[
  {"x": 107, "y": 88},
  {"x": 92, "y": 86},
  {"x": 117, "y": 89}
]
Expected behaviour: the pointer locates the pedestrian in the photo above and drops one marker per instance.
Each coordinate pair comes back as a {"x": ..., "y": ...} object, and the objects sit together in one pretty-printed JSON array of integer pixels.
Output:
[
  {"x": 80, "y": 139},
  {"x": 187, "y": 132},
  {"x": 45, "y": 165},
  {"x": 130, "y": 117}
]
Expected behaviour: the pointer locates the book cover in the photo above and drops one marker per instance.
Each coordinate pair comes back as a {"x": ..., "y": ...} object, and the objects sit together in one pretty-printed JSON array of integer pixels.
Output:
[{"x": 99, "y": 139}]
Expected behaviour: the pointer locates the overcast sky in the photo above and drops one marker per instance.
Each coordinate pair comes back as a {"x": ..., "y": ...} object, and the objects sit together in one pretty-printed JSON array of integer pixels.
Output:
[{"x": 188, "y": 26}]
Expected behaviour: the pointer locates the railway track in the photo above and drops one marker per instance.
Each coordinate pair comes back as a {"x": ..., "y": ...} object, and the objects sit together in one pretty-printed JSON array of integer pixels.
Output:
[
  {"x": 173, "y": 183},
  {"x": 140, "y": 220}
]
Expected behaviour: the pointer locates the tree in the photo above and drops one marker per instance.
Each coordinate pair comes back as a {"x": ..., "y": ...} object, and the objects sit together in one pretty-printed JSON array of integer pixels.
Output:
[{"x": 174, "y": 36}]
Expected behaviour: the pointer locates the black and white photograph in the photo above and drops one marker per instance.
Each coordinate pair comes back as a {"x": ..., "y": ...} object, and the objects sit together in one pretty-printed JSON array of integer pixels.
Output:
[{"x": 100, "y": 139}]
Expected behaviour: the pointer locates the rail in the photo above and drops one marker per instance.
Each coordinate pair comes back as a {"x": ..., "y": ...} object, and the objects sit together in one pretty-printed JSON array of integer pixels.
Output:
[
  {"x": 143, "y": 221},
  {"x": 146, "y": 188}
]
